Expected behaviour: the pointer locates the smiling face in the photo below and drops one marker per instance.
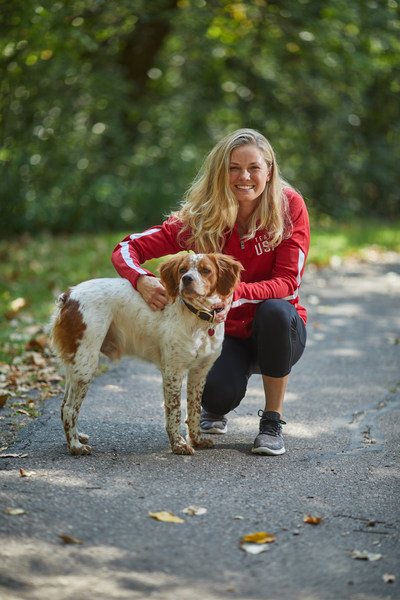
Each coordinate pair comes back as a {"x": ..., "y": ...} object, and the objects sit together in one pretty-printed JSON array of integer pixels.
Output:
[{"x": 248, "y": 173}]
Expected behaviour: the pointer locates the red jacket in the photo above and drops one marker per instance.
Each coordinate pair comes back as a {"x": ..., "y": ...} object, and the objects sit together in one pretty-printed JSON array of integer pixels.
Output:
[{"x": 268, "y": 273}]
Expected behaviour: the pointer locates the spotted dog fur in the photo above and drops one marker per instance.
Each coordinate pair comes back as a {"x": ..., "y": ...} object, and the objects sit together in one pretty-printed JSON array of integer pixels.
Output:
[{"x": 110, "y": 316}]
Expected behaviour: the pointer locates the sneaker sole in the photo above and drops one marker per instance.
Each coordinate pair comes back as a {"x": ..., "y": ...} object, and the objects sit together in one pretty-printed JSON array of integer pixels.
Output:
[
  {"x": 268, "y": 451},
  {"x": 214, "y": 430}
]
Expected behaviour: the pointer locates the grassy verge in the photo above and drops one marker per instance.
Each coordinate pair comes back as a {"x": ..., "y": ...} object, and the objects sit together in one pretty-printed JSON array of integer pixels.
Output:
[{"x": 361, "y": 240}]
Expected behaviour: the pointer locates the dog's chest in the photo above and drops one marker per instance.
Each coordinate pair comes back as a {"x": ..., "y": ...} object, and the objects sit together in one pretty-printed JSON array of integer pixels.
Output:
[{"x": 189, "y": 341}]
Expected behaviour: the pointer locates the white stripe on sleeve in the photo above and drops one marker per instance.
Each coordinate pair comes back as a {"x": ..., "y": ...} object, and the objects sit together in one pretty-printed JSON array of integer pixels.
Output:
[{"x": 125, "y": 250}]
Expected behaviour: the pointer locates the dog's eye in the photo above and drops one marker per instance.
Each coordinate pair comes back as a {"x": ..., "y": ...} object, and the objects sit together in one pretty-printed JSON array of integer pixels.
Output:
[
  {"x": 205, "y": 271},
  {"x": 182, "y": 270}
]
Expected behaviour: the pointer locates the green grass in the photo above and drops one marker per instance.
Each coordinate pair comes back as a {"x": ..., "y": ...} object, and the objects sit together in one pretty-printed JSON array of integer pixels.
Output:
[
  {"x": 356, "y": 240},
  {"x": 34, "y": 270}
]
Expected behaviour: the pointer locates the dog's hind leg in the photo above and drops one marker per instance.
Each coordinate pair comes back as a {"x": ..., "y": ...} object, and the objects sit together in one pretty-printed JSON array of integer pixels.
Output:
[{"x": 75, "y": 392}]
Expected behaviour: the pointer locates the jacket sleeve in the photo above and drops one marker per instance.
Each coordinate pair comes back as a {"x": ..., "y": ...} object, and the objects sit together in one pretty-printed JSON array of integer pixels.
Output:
[
  {"x": 290, "y": 257},
  {"x": 160, "y": 240}
]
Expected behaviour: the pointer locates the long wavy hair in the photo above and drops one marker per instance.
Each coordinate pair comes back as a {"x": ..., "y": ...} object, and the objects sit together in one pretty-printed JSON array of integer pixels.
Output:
[{"x": 209, "y": 208}]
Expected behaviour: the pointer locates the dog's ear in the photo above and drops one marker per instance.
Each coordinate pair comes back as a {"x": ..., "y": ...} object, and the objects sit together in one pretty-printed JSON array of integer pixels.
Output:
[
  {"x": 169, "y": 276},
  {"x": 229, "y": 271}
]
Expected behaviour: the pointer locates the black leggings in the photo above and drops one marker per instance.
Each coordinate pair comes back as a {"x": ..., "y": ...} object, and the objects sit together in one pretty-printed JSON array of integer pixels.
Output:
[{"x": 276, "y": 344}]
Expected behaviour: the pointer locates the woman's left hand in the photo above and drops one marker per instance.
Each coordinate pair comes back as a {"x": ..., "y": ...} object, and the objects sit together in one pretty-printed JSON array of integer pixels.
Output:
[{"x": 225, "y": 306}]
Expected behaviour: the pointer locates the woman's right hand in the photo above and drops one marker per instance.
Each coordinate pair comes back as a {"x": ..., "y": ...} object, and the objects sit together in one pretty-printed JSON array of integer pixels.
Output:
[{"x": 152, "y": 291}]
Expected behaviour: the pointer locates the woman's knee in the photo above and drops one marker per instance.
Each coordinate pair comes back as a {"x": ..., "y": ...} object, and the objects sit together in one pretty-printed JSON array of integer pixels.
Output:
[
  {"x": 221, "y": 395},
  {"x": 275, "y": 315}
]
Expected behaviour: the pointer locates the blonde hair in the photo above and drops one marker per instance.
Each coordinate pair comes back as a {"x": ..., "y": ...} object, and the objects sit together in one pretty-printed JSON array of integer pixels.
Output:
[{"x": 209, "y": 207}]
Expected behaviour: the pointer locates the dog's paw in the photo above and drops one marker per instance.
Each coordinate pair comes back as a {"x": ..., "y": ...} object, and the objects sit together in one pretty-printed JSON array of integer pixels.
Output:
[
  {"x": 201, "y": 442},
  {"x": 83, "y": 438},
  {"x": 181, "y": 447},
  {"x": 79, "y": 449}
]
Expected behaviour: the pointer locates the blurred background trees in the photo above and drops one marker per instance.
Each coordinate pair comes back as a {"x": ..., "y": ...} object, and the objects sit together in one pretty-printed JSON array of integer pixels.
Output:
[{"x": 109, "y": 106}]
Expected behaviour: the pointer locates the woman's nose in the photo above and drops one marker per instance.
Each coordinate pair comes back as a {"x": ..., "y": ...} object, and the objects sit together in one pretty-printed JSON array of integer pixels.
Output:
[{"x": 244, "y": 174}]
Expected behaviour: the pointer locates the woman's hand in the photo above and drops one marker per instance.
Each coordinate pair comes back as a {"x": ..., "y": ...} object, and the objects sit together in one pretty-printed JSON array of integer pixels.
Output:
[
  {"x": 225, "y": 306},
  {"x": 152, "y": 291}
]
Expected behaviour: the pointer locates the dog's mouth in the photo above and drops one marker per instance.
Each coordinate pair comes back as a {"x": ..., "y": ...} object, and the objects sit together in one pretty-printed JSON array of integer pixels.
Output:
[{"x": 189, "y": 292}]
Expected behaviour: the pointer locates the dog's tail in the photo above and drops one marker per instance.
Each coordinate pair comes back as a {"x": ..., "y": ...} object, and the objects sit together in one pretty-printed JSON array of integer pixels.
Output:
[{"x": 62, "y": 299}]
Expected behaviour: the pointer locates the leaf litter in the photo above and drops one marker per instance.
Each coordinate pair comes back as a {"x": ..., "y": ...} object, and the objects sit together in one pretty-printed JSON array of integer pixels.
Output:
[
  {"x": 255, "y": 543},
  {"x": 313, "y": 520},
  {"x": 166, "y": 517},
  {"x": 194, "y": 510}
]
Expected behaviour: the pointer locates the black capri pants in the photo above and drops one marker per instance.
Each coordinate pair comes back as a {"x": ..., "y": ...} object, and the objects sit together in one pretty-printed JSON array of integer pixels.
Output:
[{"x": 276, "y": 344}]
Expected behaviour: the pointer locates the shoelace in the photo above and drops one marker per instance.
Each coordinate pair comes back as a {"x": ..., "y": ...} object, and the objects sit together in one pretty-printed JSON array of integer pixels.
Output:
[{"x": 269, "y": 426}]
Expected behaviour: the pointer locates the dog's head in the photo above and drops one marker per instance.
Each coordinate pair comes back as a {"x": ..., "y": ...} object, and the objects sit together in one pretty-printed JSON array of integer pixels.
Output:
[{"x": 194, "y": 275}]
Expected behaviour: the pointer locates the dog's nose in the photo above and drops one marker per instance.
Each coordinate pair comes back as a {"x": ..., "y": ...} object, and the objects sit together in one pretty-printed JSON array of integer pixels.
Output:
[{"x": 187, "y": 279}]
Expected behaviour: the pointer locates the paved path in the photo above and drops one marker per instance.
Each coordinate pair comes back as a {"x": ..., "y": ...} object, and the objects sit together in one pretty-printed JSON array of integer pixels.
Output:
[{"x": 342, "y": 409}]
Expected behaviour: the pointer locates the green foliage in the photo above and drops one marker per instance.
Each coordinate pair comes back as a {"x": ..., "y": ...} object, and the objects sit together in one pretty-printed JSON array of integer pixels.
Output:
[{"x": 108, "y": 106}]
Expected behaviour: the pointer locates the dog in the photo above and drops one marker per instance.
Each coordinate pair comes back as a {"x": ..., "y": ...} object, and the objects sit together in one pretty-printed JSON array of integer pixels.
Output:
[{"x": 109, "y": 316}]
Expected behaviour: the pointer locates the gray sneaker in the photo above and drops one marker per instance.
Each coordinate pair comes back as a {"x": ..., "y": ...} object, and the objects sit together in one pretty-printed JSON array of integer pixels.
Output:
[
  {"x": 269, "y": 440},
  {"x": 212, "y": 423}
]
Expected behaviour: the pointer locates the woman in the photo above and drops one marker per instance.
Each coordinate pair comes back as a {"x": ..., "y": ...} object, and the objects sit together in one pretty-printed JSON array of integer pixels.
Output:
[{"x": 239, "y": 205}]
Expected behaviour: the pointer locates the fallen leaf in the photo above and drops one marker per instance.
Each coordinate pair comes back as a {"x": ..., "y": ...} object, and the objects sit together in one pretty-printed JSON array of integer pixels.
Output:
[
  {"x": 67, "y": 539},
  {"x": 26, "y": 473},
  {"x": 15, "y": 307},
  {"x": 194, "y": 510},
  {"x": 36, "y": 359},
  {"x": 10, "y": 455},
  {"x": 313, "y": 520},
  {"x": 365, "y": 555},
  {"x": 262, "y": 537},
  {"x": 39, "y": 342},
  {"x": 388, "y": 578},
  {"x": 253, "y": 548},
  {"x": 3, "y": 398},
  {"x": 22, "y": 411},
  {"x": 165, "y": 516},
  {"x": 14, "y": 511},
  {"x": 238, "y": 517}
]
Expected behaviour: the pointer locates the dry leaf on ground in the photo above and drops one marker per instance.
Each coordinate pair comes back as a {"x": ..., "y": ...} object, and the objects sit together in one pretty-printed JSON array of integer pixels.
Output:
[
  {"x": 261, "y": 537},
  {"x": 67, "y": 539},
  {"x": 165, "y": 516},
  {"x": 194, "y": 510},
  {"x": 12, "y": 455},
  {"x": 14, "y": 511},
  {"x": 255, "y": 543},
  {"x": 24, "y": 473},
  {"x": 365, "y": 555},
  {"x": 388, "y": 578},
  {"x": 3, "y": 398},
  {"x": 313, "y": 520}
]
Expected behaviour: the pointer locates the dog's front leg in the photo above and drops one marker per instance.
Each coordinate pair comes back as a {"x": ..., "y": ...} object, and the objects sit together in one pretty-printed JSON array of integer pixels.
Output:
[
  {"x": 195, "y": 387},
  {"x": 172, "y": 385}
]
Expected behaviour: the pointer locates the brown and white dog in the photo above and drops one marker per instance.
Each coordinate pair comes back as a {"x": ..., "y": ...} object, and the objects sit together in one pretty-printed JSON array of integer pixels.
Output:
[{"x": 110, "y": 316}]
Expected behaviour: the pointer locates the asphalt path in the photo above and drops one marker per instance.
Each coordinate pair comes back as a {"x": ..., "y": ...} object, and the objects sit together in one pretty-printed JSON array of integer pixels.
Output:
[{"x": 341, "y": 464}]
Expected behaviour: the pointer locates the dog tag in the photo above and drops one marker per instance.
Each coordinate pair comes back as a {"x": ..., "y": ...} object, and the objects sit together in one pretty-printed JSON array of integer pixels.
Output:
[{"x": 211, "y": 331}]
